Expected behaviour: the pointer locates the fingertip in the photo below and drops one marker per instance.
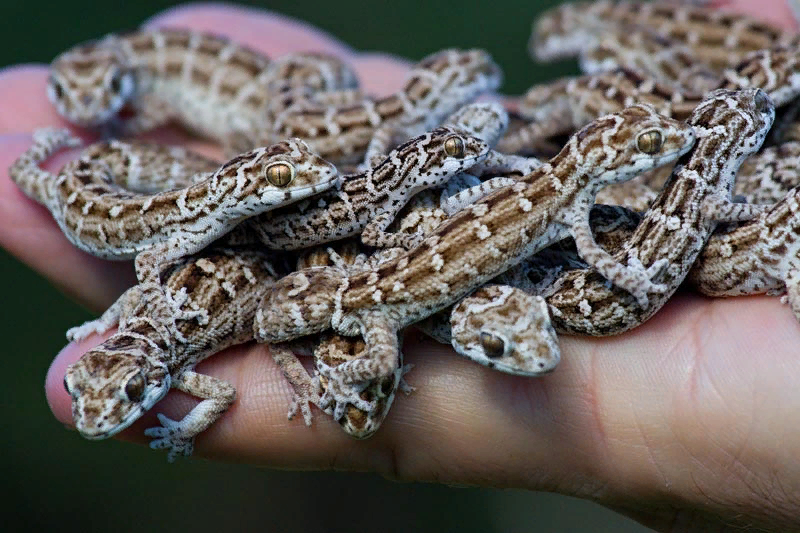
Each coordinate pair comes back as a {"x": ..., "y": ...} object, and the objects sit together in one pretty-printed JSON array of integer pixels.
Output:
[
  {"x": 57, "y": 397},
  {"x": 13, "y": 73},
  {"x": 778, "y": 13},
  {"x": 24, "y": 85},
  {"x": 19, "y": 214},
  {"x": 30, "y": 234}
]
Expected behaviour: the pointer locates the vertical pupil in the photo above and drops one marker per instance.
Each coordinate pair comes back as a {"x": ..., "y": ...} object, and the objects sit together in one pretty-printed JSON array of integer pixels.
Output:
[
  {"x": 279, "y": 174},
  {"x": 453, "y": 147}
]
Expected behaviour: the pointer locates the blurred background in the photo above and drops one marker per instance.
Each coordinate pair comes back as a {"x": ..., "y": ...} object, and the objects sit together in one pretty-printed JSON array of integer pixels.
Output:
[{"x": 57, "y": 481}]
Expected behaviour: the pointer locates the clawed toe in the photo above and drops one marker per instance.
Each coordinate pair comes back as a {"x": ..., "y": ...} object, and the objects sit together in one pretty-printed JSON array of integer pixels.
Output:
[
  {"x": 334, "y": 401},
  {"x": 303, "y": 406},
  {"x": 169, "y": 436}
]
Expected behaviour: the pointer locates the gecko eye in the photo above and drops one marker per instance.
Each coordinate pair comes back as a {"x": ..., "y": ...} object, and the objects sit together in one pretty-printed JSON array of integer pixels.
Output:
[
  {"x": 762, "y": 101},
  {"x": 280, "y": 174},
  {"x": 650, "y": 142},
  {"x": 386, "y": 387},
  {"x": 493, "y": 346},
  {"x": 116, "y": 83},
  {"x": 58, "y": 89},
  {"x": 454, "y": 146},
  {"x": 66, "y": 386},
  {"x": 134, "y": 388}
]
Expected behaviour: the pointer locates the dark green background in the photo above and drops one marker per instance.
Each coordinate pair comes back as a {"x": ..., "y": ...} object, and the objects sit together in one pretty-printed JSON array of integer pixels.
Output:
[{"x": 56, "y": 480}]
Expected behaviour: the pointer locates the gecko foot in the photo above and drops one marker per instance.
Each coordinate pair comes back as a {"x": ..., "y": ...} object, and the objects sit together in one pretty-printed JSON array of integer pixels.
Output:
[
  {"x": 87, "y": 329},
  {"x": 639, "y": 280},
  {"x": 656, "y": 268},
  {"x": 302, "y": 403},
  {"x": 170, "y": 435},
  {"x": 402, "y": 384},
  {"x": 337, "y": 395}
]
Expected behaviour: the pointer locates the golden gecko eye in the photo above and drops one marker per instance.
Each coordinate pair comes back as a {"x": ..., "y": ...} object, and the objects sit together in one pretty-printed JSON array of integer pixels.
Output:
[
  {"x": 454, "y": 146},
  {"x": 650, "y": 142},
  {"x": 134, "y": 388},
  {"x": 493, "y": 346},
  {"x": 280, "y": 174}
]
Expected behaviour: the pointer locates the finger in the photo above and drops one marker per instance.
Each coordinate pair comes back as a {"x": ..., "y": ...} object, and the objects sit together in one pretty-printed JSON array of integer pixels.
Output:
[
  {"x": 25, "y": 86},
  {"x": 777, "y": 13},
  {"x": 620, "y": 418},
  {"x": 456, "y": 405},
  {"x": 31, "y": 234},
  {"x": 455, "y": 400}
]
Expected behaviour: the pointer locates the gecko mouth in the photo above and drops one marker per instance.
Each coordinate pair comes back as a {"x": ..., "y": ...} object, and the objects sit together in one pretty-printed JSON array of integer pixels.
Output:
[
  {"x": 315, "y": 187},
  {"x": 127, "y": 420},
  {"x": 478, "y": 156},
  {"x": 535, "y": 369}
]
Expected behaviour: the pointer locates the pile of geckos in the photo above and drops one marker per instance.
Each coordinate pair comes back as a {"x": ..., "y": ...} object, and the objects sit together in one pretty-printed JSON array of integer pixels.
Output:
[{"x": 340, "y": 219}]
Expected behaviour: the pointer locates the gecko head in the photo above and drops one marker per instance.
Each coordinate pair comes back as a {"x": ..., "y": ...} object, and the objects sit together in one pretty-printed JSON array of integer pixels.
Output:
[
  {"x": 299, "y": 304},
  {"x": 775, "y": 70},
  {"x": 730, "y": 126},
  {"x": 278, "y": 174},
  {"x": 486, "y": 120},
  {"x": 89, "y": 84},
  {"x": 619, "y": 146},
  {"x": 559, "y": 33},
  {"x": 443, "y": 82},
  {"x": 506, "y": 329},
  {"x": 449, "y": 150},
  {"x": 112, "y": 386}
]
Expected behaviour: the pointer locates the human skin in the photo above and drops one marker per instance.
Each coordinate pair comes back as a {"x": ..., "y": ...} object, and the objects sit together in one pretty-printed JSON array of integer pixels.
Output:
[{"x": 689, "y": 422}]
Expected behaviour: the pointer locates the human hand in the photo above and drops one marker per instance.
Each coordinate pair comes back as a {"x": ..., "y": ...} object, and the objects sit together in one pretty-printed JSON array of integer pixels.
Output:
[{"x": 676, "y": 423}]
